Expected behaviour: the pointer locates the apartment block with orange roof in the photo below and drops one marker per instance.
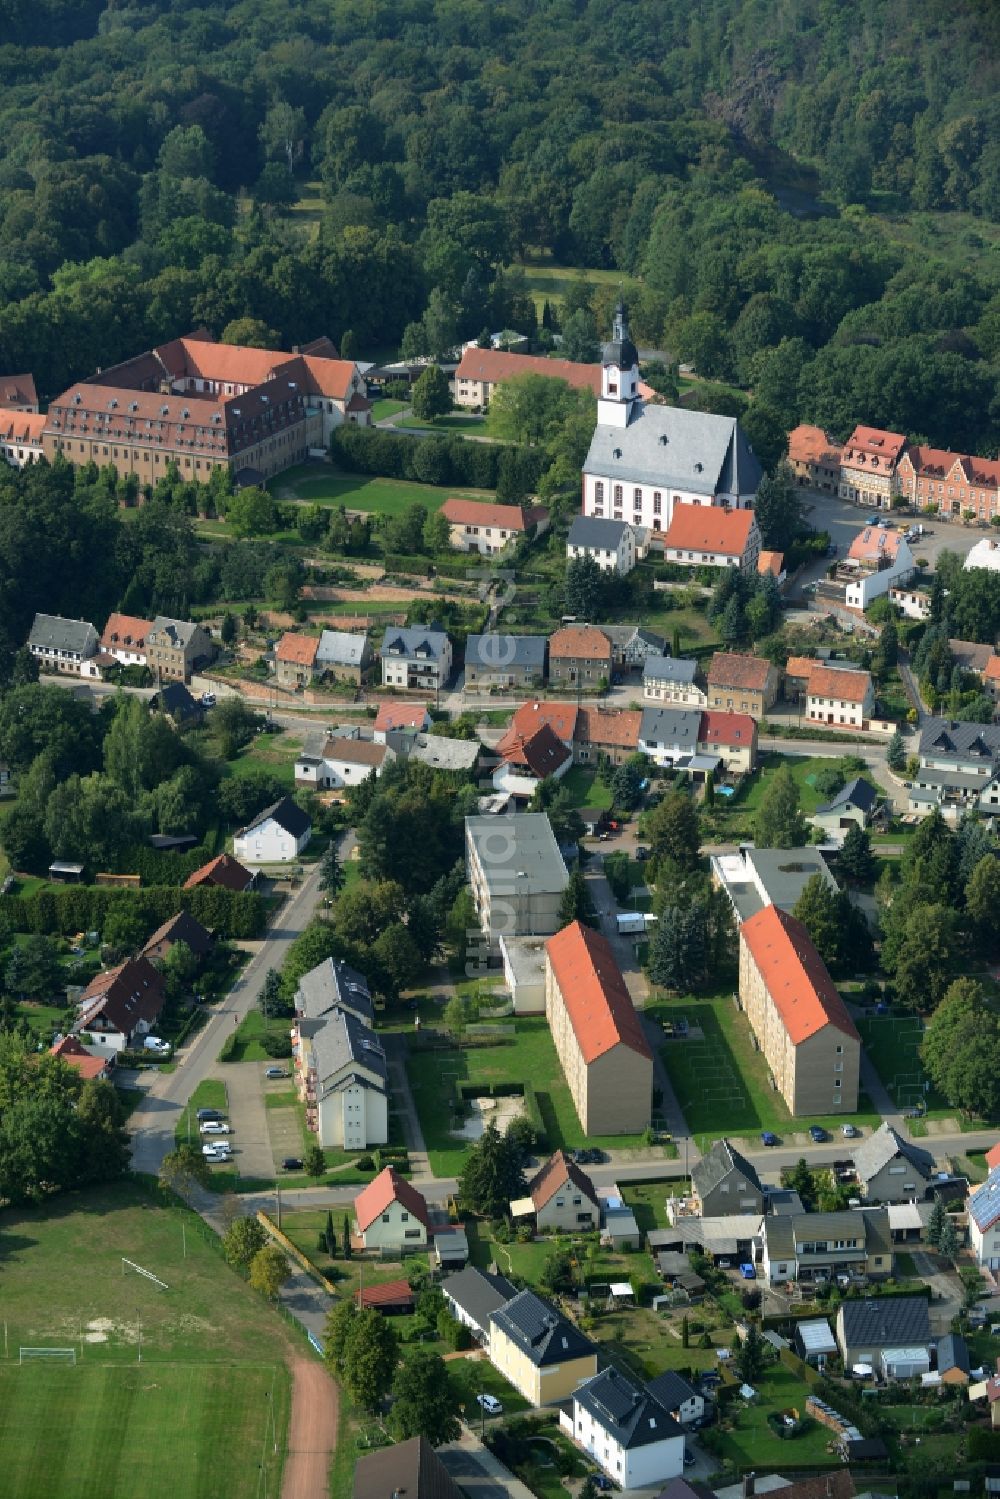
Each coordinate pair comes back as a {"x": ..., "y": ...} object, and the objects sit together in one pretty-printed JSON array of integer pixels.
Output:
[
  {"x": 808, "y": 1039},
  {"x": 598, "y": 1035},
  {"x": 613, "y": 732},
  {"x": 953, "y": 482}
]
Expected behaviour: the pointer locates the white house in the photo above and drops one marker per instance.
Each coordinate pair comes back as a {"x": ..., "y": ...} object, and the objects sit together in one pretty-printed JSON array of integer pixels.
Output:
[
  {"x": 672, "y": 679},
  {"x": 627, "y": 1431},
  {"x": 342, "y": 1077},
  {"x": 276, "y": 836},
  {"x": 678, "y": 1397},
  {"x": 528, "y": 759},
  {"x": 121, "y": 1005},
  {"x": 985, "y": 553},
  {"x": 124, "y": 638},
  {"x": 63, "y": 645},
  {"x": 646, "y": 460},
  {"x": 708, "y": 536},
  {"x": 391, "y": 1216},
  {"x": 21, "y": 437},
  {"x": 342, "y": 759},
  {"x": 839, "y": 695},
  {"x": 880, "y": 559},
  {"x": 611, "y": 543},
  {"x": 416, "y": 660},
  {"x": 984, "y": 1221}
]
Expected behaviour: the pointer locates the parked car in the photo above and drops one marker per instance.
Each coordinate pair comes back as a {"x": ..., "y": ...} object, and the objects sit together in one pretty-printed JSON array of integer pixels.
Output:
[
  {"x": 208, "y": 700},
  {"x": 768, "y": 1138},
  {"x": 215, "y": 1127},
  {"x": 817, "y": 1133},
  {"x": 850, "y": 1131},
  {"x": 748, "y": 1272},
  {"x": 641, "y": 853},
  {"x": 490, "y": 1404},
  {"x": 602, "y": 1483},
  {"x": 216, "y": 1151},
  {"x": 209, "y": 1114},
  {"x": 153, "y": 1043},
  {"x": 275, "y": 1072},
  {"x": 291, "y": 1163}
]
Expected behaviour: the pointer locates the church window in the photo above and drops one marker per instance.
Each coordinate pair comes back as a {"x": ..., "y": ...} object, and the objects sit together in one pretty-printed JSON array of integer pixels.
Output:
[
  {"x": 599, "y": 492},
  {"x": 657, "y": 502},
  {"x": 637, "y": 497},
  {"x": 618, "y": 494}
]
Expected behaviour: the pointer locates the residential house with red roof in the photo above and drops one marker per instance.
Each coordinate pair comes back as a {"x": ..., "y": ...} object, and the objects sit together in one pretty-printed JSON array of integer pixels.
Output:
[
  {"x": 841, "y": 695},
  {"x": 526, "y": 719},
  {"x": 476, "y": 526},
  {"x": 121, "y": 1005},
  {"x": 814, "y": 458},
  {"x": 580, "y": 656},
  {"x": 710, "y": 536},
  {"x": 223, "y": 870},
  {"x": 732, "y": 737},
  {"x": 808, "y": 1039},
  {"x": 21, "y": 437},
  {"x": 742, "y": 684},
  {"x": 124, "y": 638},
  {"x": 481, "y": 370},
  {"x": 180, "y": 928},
  {"x": 391, "y": 1215},
  {"x": 295, "y": 659},
  {"x": 393, "y": 717},
  {"x": 598, "y": 1035},
  {"x": 75, "y": 1055},
  {"x": 868, "y": 466},
  {"x": 877, "y": 558},
  {"x": 606, "y": 731},
  {"x": 527, "y": 760},
  {"x": 561, "y": 1198},
  {"x": 954, "y": 482},
  {"x": 18, "y": 393}
]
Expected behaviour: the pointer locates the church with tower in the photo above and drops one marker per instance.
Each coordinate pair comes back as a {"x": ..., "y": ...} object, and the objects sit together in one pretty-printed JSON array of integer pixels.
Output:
[{"x": 644, "y": 459}]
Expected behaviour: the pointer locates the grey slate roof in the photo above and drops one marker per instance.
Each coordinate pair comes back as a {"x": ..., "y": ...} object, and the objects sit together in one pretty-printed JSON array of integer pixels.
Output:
[
  {"x": 414, "y": 644},
  {"x": 885, "y": 1322},
  {"x": 954, "y": 739},
  {"x": 629, "y": 1412},
  {"x": 671, "y": 1390},
  {"x": 175, "y": 699},
  {"x": 340, "y": 1042},
  {"x": 539, "y": 1331},
  {"x": 478, "y": 1293},
  {"x": 498, "y": 651},
  {"x": 442, "y": 753},
  {"x": 623, "y": 636},
  {"x": 341, "y": 648},
  {"x": 176, "y": 632},
  {"x": 600, "y": 535},
  {"x": 883, "y": 1146},
  {"x": 677, "y": 449},
  {"x": 52, "y": 632},
  {"x": 671, "y": 727},
  {"x": 716, "y": 1165},
  {"x": 330, "y": 985},
  {"x": 669, "y": 669},
  {"x": 286, "y": 813},
  {"x": 857, "y": 793},
  {"x": 952, "y": 1353}
]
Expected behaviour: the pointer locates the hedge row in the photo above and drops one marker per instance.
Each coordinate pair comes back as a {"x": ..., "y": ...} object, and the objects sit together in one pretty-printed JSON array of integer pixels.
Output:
[
  {"x": 84, "y": 908},
  {"x": 436, "y": 460}
]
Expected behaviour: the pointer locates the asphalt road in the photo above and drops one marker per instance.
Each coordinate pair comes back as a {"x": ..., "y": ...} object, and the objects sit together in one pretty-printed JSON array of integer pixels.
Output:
[{"x": 152, "y": 1123}]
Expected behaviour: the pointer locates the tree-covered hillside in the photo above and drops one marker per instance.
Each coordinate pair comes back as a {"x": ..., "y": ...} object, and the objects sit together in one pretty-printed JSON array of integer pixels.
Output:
[{"x": 739, "y": 158}]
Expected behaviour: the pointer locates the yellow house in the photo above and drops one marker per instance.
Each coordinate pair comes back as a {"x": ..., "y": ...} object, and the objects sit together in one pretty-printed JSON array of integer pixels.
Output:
[{"x": 544, "y": 1356}]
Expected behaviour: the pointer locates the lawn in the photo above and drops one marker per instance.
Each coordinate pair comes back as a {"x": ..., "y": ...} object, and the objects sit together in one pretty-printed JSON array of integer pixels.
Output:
[
  {"x": 752, "y": 1444},
  {"x": 586, "y": 789},
  {"x": 454, "y": 421},
  {"x": 531, "y": 1056},
  {"x": 247, "y": 1044},
  {"x": 648, "y": 1201},
  {"x": 321, "y": 484},
  {"x": 274, "y": 753},
  {"x": 893, "y": 1046},
  {"x": 383, "y": 408},
  {"x": 549, "y": 282},
  {"x": 721, "y": 1080},
  {"x": 737, "y": 813},
  {"x": 190, "y": 1422}
]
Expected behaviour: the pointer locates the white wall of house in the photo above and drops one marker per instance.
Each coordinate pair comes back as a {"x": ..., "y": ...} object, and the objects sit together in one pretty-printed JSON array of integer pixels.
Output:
[
  {"x": 353, "y": 1117},
  {"x": 839, "y": 710},
  {"x": 640, "y": 504},
  {"x": 269, "y": 844},
  {"x": 870, "y": 586},
  {"x": 656, "y": 1462},
  {"x": 985, "y": 1246},
  {"x": 680, "y": 694},
  {"x": 620, "y": 561},
  {"x": 396, "y": 1228}
]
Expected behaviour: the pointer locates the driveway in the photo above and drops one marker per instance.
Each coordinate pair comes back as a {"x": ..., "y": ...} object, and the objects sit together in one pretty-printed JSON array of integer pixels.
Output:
[
  {"x": 478, "y": 1473},
  {"x": 248, "y": 1118}
]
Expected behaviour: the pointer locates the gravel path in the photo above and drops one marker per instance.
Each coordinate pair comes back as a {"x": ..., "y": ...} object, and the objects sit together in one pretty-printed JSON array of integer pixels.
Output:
[{"x": 312, "y": 1432}]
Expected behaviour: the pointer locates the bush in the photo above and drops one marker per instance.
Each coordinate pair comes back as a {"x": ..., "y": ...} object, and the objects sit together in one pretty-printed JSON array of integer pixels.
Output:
[{"x": 277, "y": 1046}]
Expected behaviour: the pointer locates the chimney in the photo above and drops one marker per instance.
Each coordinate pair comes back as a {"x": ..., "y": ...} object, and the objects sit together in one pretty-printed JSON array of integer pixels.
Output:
[{"x": 748, "y": 1484}]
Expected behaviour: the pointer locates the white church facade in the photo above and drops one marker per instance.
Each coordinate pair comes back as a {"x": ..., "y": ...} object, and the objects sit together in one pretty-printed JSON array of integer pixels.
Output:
[{"x": 644, "y": 460}]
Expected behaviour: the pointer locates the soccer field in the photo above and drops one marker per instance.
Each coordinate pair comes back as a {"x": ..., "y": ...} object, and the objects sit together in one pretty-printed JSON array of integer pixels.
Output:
[
  {"x": 115, "y": 1431},
  {"x": 195, "y": 1418}
]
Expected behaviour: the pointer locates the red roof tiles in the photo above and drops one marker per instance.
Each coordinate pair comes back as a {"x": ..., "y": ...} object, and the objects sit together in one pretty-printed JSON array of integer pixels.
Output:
[
  {"x": 388, "y": 1187},
  {"x": 125, "y": 632},
  {"x": 542, "y": 753},
  {"x": 730, "y": 670},
  {"x": 710, "y": 529},
  {"x": 795, "y": 975},
  {"x": 553, "y": 1175},
  {"x": 580, "y": 643},
  {"x": 297, "y": 650},
  {"x": 594, "y": 994},
  {"x": 561, "y": 716},
  {"x": 459, "y": 512},
  {"x": 811, "y": 445},
  {"x": 402, "y": 716},
  {"x": 223, "y": 870}
]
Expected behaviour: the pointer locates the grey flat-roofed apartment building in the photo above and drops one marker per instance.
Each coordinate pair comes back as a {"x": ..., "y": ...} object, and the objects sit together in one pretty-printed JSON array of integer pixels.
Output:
[{"x": 516, "y": 874}]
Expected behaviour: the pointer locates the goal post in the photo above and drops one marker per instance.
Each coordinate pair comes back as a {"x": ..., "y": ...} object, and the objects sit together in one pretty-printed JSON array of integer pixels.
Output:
[{"x": 47, "y": 1355}]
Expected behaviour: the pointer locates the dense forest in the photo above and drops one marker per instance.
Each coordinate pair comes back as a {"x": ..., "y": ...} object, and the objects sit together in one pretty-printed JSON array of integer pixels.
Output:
[{"x": 740, "y": 163}]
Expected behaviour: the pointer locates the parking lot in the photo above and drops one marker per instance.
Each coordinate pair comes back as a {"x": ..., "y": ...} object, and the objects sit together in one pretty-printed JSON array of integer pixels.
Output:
[{"x": 843, "y": 520}]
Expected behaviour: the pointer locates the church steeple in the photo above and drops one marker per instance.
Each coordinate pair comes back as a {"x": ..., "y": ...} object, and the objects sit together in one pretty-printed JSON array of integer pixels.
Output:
[{"x": 619, "y": 374}]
